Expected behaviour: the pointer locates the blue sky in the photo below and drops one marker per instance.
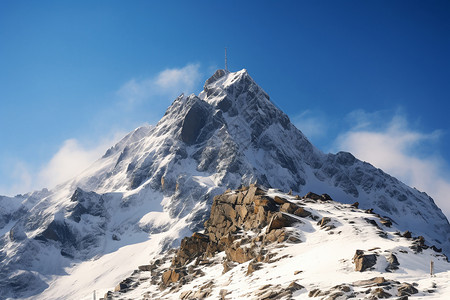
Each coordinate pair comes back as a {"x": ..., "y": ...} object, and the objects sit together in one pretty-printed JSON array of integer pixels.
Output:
[{"x": 370, "y": 77}]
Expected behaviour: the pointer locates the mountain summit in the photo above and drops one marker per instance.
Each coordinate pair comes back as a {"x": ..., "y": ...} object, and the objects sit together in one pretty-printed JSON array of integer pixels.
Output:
[{"x": 157, "y": 184}]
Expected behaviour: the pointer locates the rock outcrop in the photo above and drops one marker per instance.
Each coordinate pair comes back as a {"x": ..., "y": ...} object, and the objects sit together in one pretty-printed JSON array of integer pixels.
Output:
[{"x": 248, "y": 235}]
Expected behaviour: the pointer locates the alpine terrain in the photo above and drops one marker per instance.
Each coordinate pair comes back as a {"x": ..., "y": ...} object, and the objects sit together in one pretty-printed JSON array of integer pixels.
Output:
[{"x": 157, "y": 186}]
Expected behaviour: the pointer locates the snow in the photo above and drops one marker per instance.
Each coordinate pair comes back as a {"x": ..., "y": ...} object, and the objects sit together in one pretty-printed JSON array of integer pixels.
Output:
[
  {"x": 131, "y": 213},
  {"x": 322, "y": 260}
]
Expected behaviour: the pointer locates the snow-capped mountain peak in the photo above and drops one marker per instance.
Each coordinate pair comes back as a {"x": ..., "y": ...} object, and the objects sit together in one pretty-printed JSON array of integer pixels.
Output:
[{"x": 157, "y": 184}]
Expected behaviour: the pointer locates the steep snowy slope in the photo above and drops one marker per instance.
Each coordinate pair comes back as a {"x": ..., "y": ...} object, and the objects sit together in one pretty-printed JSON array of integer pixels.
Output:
[{"x": 156, "y": 186}]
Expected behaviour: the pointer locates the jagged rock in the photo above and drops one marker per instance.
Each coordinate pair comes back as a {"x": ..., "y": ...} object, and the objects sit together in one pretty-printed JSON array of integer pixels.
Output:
[
  {"x": 363, "y": 262},
  {"x": 190, "y": 248},
  {"x": 312, "y": 196},
  {"x": 239, "y": 254},
  {"x": 406, "y": 289},
  {"x": 326, "y": 197},
  {"x": 302, "y": 212},
  {"x": 294, "y": 286},
  {"x": 278, "y": 235},
  {"x": 279, "y": 200},
  {"x": 227, "y": 266},
  {"x": 385, "y": 222},
  {"x": 370, "y": 282},
  {"x": 121, "y": 287},
  {"x": 355, "y": 205},
  {"x": 185, "y": 295},
  {"x": 289, "y": 207},
  {"x": 280, "y": 220},
  {"x": 171, "y": 276},
  {"x": 316, "y": 293},
  {"x": 252, "y": 267},
  {"x": 407, "y": 234},
  {"x": 380, "y": 293},
  {"x": 324, "y": 221},
  {"x": 393, "y": 262}
]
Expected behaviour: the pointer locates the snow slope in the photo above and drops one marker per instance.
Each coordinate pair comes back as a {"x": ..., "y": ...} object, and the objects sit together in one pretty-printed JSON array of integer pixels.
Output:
[
  {"x": 321, "y": 262},
  {"x": 156, "y": 186}
]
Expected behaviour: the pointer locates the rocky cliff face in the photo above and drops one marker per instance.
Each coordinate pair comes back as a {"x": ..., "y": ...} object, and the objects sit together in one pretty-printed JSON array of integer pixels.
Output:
[
  {"x": 243, "y": 237},
  {"x": 157, "y": 186}
]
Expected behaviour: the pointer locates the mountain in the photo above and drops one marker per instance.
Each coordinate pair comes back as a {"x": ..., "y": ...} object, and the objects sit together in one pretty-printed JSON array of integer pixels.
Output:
[{"x": 157, "y": 185}]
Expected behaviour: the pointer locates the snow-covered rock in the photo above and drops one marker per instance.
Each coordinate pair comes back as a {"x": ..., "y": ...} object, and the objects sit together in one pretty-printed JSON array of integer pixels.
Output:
[
  {"x": 156, "y": 186},
  {"x": 244, "y": 253}
]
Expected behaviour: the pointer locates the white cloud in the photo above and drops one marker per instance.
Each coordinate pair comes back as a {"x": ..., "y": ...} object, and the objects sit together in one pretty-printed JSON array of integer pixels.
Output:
[
  {"x": 400, "y": 151},
  {"x": 311, "y": 123},
  {"x": 169, "y": 82},
  {"x": 71, "y": 159}
]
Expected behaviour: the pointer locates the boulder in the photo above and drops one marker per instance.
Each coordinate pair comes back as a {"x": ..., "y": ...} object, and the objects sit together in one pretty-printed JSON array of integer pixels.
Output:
[
  {"x": 302, "y": 212},
  {"x": 289, "y": 208},
  {"x": 406, "y": 234},
  {"x": 406, "y": 289},
  {"x": 312, "y": 196},
  {"x": 364, "y": 262},
  {"x": 393, "y": 262},
  {"x": 370, "y": 282},
  {"x": 170, "y": 276},
  {"x": 280, "y": 220},
  {"x": 380, "y": 293},
  {"x": 279, "y": 200},
  {"x": 385, "y": 222},
  {"x": 324, "y": 221},
  {"x": 294, "y": 286},
  {"x": 355, "y": 205}
]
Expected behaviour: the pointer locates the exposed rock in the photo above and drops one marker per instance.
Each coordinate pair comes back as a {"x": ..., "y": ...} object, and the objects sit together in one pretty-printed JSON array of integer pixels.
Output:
[
  {"x": 239, "y": 254},
  {"x": 294, "y": 286},
  {"x": 302, "y": 212},
  {"x": 355, "y": 205},
  {"x": 280, "y": 220},
  {"x": 324, "y": 221},
  {"x": 185, "y": 295},
  {"x": 279, "y": 200},
  {"x": 194, "y": 121},
  {"x": 363, "y": 262},
  {"x": 252, "y": 267},
  {"x": 170, "y": 276},
  {"x": 406, "y": 234},
  {"x": 380, "y": 293},
  {"x": 190, "y": 248},
  {"x": 393, "y": 262},
  {"x": 288, "y": 207},
  {"x": 370, "y": 282},
  {"x": 406, "y": 289},
  {"x": 312, "y": 196},
  {"x": 385, "y": 222}
]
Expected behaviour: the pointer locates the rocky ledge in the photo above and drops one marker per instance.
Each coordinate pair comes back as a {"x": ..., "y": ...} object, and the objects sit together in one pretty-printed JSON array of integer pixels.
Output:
[{"x": 247, "y": 228}]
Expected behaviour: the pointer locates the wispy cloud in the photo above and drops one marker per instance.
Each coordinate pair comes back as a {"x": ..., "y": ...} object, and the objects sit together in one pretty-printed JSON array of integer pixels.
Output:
[
  {"x": 169, "y": 82},
  {"x": 311, "y": 123},
  {"x": 392, "y": 145},
  {"x": 71, "y": 159}
]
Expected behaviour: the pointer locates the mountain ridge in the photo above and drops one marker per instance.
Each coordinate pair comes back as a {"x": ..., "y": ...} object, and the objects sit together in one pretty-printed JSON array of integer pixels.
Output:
[{"x": 162, "y": 177}]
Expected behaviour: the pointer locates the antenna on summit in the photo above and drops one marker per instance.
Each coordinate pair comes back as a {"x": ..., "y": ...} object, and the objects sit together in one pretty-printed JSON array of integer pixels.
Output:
[{"x": 226, "y": 63}]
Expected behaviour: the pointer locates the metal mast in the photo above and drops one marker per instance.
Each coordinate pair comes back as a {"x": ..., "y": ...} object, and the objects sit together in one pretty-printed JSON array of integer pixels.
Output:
[{"x": 226, "y": 63}]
